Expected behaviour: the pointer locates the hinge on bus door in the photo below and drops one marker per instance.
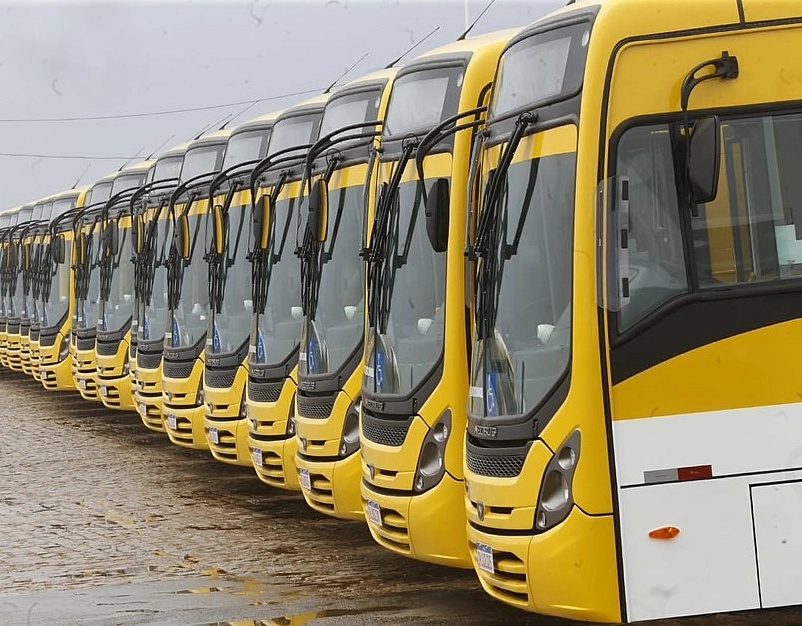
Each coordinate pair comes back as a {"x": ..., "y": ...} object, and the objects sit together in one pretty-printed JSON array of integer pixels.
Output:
[{"x": 614, "y": 247}]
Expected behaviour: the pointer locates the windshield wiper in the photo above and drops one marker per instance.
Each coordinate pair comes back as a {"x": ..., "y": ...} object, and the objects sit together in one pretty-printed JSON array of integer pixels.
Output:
[{"x": 487, "y": 231}]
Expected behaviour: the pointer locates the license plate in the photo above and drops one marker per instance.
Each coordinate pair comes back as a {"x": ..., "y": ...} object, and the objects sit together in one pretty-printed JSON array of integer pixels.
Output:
[
  {"x": 306, "y": 480},
  {"x": 143, "y": 408},
  {"x": 172, "y": 421},
  {"x": 257, "y": 457},
  {"x": 374, "y": 512},
  {"x": 484, "y": 558},
  {"x": 43, "y": 374},
  {"x": 214, "y": 436},
  {"x": 82, "y": 383},
  {"x": 104, "y": 391}
]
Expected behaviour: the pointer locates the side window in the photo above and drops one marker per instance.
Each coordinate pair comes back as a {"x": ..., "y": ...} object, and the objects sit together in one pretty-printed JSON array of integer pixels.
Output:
[
  {"x": 752, "y": 231},
  {"x": 656, "y": 266}
]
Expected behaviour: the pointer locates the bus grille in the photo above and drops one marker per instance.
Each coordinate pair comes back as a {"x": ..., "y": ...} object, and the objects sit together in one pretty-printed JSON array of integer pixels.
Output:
[
  {"x": 177, "y": 369},
  {"x": 148, "y": 361},
  {"x": 315, "y": 408},
  {"x": 498, "y": 466},
  {"x": 264, "y": 392},
  {"x": 107, "y": 348},
  {"x": 87, "y": 343},
  {"x": 220, "y": 379},
  {"x": 385, "y": 432}
]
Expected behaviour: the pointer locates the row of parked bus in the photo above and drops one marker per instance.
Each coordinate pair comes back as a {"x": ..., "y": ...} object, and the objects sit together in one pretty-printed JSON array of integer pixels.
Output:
[{"x": 525, "y": 304}]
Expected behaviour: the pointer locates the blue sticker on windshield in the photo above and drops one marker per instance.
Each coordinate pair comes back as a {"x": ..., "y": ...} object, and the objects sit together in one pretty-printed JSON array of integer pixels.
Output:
[
  {"x": 491, "y": 405},
  {"x": 380, "y": 356},
  {"x": 83, "y": 318},
  {"x": 176, "y": 334},
  {"x": 45, "y": 319},
  {"x": 105, "y": 321},
  {"x": 215, "y": 338},
  {"x": 310, "y": 356},
  {"x": 145, "y": 328},
  {"x": 260, "y": 347}
]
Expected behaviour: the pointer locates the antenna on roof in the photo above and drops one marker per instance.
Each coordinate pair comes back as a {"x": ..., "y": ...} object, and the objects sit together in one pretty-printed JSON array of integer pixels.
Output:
[
  {"x": 81, "y": 176},
  {"x": 478, "y": 17},
  {"x": 341, "y": 76},
  {"x": 249, "y": 106},
  {"x": 136, "y": 155},
  {"x": 159, "y": 147},
  {"x": 415, "y": 45}
]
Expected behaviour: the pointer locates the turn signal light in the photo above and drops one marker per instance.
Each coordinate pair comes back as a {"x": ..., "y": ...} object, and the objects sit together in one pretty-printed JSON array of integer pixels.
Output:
[{"x": 666, "y": 532}]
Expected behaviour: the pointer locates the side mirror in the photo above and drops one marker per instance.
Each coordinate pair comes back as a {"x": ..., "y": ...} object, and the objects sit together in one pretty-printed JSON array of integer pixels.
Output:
[
  {"x": 138, "y": 233},
  {"x": 26, "y": 255},
  {"x": 317, "y": 221},
  {"x": 437, "y": 210},
  {"x": 182, "y": 236},
  {"x": 219, "y": 228},
  {"x": 110, "y": 238},
  {"x": 261, "y": 222},
  {"x": 58, "y": 248},
  {"x": 704, "y": 159}
]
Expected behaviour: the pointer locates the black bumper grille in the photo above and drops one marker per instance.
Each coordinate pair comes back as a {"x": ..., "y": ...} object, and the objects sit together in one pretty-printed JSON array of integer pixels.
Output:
[
  {"x": 107, "y": 348},
  {"x": 148, "y": 361},
  {"x": 500, "y": 466},
  {"x": 220, "y": 379},
  {"x": 318, "y": 408},
  {"x": 264, "y": 392},
  {"x": 385, "y": 432},
  {"x": 177, "y": 369}
]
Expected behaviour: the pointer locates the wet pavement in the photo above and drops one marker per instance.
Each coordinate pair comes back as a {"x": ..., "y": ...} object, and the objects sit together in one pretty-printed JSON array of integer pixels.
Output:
[{"x": 104, "y": 522}]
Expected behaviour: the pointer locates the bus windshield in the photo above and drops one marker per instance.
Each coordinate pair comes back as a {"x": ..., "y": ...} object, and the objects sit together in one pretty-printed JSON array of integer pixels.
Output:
[
  {"x": 56, "y": 302},
  {"x": 168, "y": 168},
  {"x": 117, "y": 310},
  {"x": 523, "y": 285},
  {"x": 154, "y": 305},
  {"x": 202, "y": 160}
]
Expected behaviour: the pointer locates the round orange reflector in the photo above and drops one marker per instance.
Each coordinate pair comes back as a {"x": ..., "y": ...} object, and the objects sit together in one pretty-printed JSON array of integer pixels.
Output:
[{"x": 666, "y": 532}]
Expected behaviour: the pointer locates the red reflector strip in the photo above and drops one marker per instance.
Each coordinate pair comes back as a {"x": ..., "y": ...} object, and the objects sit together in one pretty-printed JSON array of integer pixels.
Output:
[{"x": 695, "y": 473}]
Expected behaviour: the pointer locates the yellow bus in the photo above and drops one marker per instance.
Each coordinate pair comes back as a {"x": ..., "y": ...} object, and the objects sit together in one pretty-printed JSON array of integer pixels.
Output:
[
  {"x": 153, "y": 233},
  {"x": 276, "y": 317},
  {"x": 86, "y": 235},
  {"x": 416, "y": 367},
  {"x": 29, "y": 259},
  {"x": 227, "y": 340},
  {"x": 16, "y": 304},
  {"x": 56, "y": 295},
  {"x": 188, "y": 293},
  {"x": 330, "y": 363},
  {"x": 632, "y": 449},
  {"x": 8, "y": 219},
  {"x": 116, "y": 274}
]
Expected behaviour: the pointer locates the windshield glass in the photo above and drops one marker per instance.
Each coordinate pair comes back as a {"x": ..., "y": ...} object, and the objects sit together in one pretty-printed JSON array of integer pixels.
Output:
[
  {"x": 36, "y": 212},
  {"x": 276, "y": 333},
  {"x": 203, "y": 160},
  {"x": 546, "y": 66},
  {"x": 87, "y": 309},
  {"x": 118, "y": 309},
  {"x": 246, "y": 146},
  {"x": 231, "y": 327},
  {"x": 154, "y": 316},
  {"x": 47, "y": 211},
  {"x": 62, "y": 206},
  {"x": 100, "y": 192},
  {"x": 58, "y": 302},
  {"x": 124, "y": 182},
  {"x": 523, "y": 312},
  {"x": 168, "y": 167},
  {"x": 399, "y": 354},
  {"x": 347, "y": 110},
  {"x": 294, "y": 131},
  {"x": 186, "y": 324},
  {"x": 422, "y": 99},
  {"x": 15, "y": 286}
]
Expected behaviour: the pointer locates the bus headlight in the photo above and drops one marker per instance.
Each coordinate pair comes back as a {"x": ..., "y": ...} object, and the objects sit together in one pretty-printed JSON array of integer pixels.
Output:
[
  {"x": 556, "y": 492},
  {"x": 200, "y": 397},
  {"x": 243, "y": 407},
  {"x": 431, "y": 462},
  {"x": 349, "y": 441},
  {"x": 291, "y": 420},
  {"x": 64, "y": 348}
]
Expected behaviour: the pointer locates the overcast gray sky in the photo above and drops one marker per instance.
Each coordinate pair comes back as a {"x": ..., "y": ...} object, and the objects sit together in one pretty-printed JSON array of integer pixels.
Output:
[{"x": 69, "y": 59}]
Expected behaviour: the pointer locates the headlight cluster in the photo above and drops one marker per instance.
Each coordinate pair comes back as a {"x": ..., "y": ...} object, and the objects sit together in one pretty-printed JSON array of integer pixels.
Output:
[
  {"x": 431, "y": 462},
  {"x": 349, "y": 441},
  {"x": 556, "y": 492},
  {"x": 64, "y": 348},
  {"x": 291, "y": 419}
]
